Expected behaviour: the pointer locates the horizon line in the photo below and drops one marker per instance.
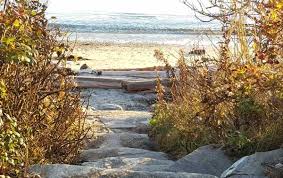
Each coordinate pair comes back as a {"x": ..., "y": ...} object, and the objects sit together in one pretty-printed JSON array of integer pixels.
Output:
[{"x": 116, "y": 12}]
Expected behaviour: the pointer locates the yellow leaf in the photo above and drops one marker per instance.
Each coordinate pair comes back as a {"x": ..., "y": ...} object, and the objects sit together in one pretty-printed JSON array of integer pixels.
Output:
[
  {"x": 9, "y": 40},
  {"x": 279, "y": 5},
  {"x": 33, "y": 13},
  {"x": 273, "y": 15},
  {"x": 16, "y": 23},
  {"x": 61, "y": 95}
]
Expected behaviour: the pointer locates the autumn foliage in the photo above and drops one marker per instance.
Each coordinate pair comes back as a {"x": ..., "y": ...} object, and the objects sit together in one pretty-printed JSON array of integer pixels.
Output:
[
  {"x": 235, "y": 100},
  {"x": 41, "y": 118}
]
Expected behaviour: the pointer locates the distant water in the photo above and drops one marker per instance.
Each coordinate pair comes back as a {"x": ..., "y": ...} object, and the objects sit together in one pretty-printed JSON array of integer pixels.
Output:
[{"x": 134, "y": 28}]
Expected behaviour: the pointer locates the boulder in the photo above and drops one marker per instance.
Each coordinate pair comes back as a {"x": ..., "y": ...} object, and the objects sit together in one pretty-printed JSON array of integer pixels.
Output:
[
  {"x": 205, "y": 160},
  {"x": 71, "y": 58},
  {"x": 84, "y": 66},
  {"x": 72, "y": 171},
  {"x": 133, "y": 140},
  {"x": 132, "y": 164},
  {"x": 198, "y": 52},
  {"x": 274, "y": 171},
  {"x": 108, "y": 107},
  {"x": 92, "y": 155},
  {"x": 141, "y": 129},
  {"x": 63, "y": 171},
  {"x": 252, "y": 166},
  {"x": 145, "y": 174}
]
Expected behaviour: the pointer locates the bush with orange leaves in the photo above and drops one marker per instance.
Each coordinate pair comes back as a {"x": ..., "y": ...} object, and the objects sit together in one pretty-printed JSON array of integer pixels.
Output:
[
  {"x": 41, "y": 117},
  {"x": 235, "y": 101}
]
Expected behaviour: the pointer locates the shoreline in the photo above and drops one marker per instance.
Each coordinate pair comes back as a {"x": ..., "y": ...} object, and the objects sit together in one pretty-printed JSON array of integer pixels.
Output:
[
  {"x": 114, "y": 43},
  {"x": 105, "y": 55},
  {"x": 157, "y": 39},
  {"x": 114, "y": 55}
]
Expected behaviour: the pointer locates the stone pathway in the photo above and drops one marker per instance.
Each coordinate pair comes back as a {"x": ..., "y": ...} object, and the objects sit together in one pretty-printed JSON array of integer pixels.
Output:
[{"x": 124, "y": 149}]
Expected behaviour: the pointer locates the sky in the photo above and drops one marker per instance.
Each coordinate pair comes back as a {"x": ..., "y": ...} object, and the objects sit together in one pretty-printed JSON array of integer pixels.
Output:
[{"x": 174, "y": 7}]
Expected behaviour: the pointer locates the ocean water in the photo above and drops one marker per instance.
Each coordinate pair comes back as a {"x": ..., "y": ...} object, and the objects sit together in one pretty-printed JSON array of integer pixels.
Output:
[{"x": 135, "y": 28}]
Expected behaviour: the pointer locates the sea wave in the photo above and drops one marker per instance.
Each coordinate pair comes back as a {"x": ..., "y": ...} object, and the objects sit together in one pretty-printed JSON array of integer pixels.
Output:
[
  {"x": 125, "y": 29},
  {"x": 131, "y": 25}
]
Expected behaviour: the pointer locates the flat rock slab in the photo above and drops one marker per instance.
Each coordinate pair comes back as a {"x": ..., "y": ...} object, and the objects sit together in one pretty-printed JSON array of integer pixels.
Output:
[
  {"x": 99, "y": 98},
  {"x": 63, "y": 171},
  {"x": 205, "y": 160},
  {"x": 123, "y": 119},
  {"x": 251, "y": 166},
  {"x": 144, "y": 174},
  {"x": 131, "y": 164},
  {"x": 127, "y": 139},
  {"x": 72, "y": 171},
  {"x": 109, "y": 107},
  {"x": 96, "y": 154}
]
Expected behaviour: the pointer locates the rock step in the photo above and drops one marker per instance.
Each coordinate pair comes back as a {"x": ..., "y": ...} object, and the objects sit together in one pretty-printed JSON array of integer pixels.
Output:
[
  {"x": 131, "y": 164},
  {"x": 127, "y": 139},
  {"x": 209, "y": 159},
  {"x": 144, "y": 174},
  {"x": 100, "y": 99},
  {"x": 123, "y": 119},
  {"x": 74, "y": 171},
  {"x": 253, "y": 166},
  {"x": 92, "y": 155}
]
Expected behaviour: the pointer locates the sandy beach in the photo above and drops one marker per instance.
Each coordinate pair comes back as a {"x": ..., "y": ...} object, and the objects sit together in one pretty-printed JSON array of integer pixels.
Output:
[{"x": 123, "y": 55}]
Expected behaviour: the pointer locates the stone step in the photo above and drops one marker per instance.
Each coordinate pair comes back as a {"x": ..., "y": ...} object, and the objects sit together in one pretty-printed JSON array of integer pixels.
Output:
[
  {"x": 123, "y": 119},
  {"x": 132, "y": 164},
  {"x": 63, "y": 171},
  {"x": 140, "y": 129},
  {"x": 127, "y": 139},
  {"x": 100, "y": 98},
  {"x": 146, "y": 174},
  {"x": 74, "y": 171},
  {"x": 95, "y": 154}
]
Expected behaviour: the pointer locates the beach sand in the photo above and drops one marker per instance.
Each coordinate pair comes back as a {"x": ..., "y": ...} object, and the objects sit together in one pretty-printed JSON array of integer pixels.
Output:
[{"x": 123, "y": 55}]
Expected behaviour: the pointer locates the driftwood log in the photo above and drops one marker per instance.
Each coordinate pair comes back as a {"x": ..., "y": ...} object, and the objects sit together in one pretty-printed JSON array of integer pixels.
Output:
[
  {"x": 156, "y": 68},
  {"x": 136, "y": 86},
  {"x": 135, "y": 74},
  {"x": 131, "y": 81},
  {"x": 128, "y": 85},
  {"x": 94, "y": 82}
]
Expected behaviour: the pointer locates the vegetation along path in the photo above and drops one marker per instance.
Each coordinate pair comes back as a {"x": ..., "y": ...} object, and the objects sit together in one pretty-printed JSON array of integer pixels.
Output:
[{"x": 124, "y": 148}]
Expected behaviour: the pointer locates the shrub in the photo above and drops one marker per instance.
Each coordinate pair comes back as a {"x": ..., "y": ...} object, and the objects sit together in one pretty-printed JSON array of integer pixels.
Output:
[
  {"x": 11, "y": 146},
  {"x": 36, "y": 92},
  {"x": 234, "y": 100},
  {"x": 236, "y": 106}
]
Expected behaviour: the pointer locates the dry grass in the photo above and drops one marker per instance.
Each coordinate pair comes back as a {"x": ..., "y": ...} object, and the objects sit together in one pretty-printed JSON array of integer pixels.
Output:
[{"x": 235, "y": 100}]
